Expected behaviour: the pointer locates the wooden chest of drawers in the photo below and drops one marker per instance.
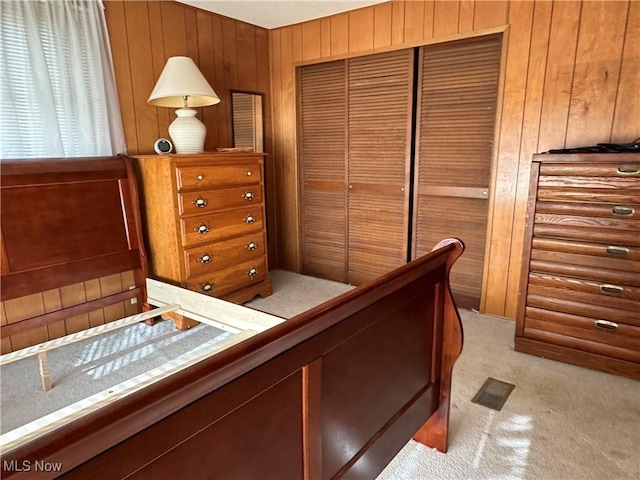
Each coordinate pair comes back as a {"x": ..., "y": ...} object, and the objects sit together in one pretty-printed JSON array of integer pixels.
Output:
[
  {"x": 580, "y": 293},
  {"x": 205, "y": 222}
]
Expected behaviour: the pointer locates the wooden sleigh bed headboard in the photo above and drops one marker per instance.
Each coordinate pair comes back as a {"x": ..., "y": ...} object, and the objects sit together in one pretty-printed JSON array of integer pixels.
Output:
[{"x": 334, "y": 392}]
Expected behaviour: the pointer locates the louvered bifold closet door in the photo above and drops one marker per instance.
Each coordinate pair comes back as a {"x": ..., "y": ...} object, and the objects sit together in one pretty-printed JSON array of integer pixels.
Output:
[
  {"x": 457, "y": 96},
  {"x": 380, "y": 89},
  {"x": 322, "y": 147}
]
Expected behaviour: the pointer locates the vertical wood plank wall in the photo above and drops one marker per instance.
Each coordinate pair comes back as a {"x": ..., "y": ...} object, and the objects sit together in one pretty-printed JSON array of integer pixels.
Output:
[
  {"x": 571, "y": 77},
  {"x": 232, "y": 55}
]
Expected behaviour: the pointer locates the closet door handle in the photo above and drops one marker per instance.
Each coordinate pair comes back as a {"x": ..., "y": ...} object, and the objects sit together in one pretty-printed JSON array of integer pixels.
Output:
[
  {"x": 606, "y": 325},
  {"x": 620, "y": 211},
  {"x": 613, "y": 289},
  {"x": 628, "y": 171},
  {"x": 617, "y": 251}
]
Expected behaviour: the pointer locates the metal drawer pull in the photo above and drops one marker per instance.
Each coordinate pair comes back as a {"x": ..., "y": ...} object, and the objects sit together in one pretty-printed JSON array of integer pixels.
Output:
[
  {"x": 628, "y": 171},
  {"x": 205, "y": 258},
  {"x": 614, "y": 289},
  {"x": 251, "y": 246},
  {"x": 621, "y": 211},
  {"x": 207, "y": 287},
  {"x": 249, "y": 219},
  {"x": 249, "y": 173},
  {"x": 200, "y": 202},
  {"x": 606, "y": 324},
  {"x": 202, "y": 228},
  {"x": 252, "y": 272},
  {"x": 199, "y": 177},
  {"x": 619, "y": 251},
  {"x": 247, "y": 196}
]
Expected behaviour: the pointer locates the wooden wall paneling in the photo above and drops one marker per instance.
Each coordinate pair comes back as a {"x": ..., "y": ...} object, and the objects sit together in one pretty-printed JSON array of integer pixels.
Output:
[
  {"x": 140, "y": 56},
  {"x": 325, "y": 37},
  {"x": 466, "y": 15},
  {"x": 311, "y": 40},
  {"x": 117, "y": 28},
  {"x": 264, "y": 86},
  {"x": 19, "y": 309},
  {"x": 339, "y": 34},
  {"x": 528, "y": 144},
  {"x": 207, "y": 66},
  {"x": 296, "y": 35},
  {"x": 247, "y": 60},
  {"x": 626, "y": 121},
  {"x": 52, "y": 302},
  {"x": 275, "y": 162},
  {"x": 414, "y": 21},
  {"x": 231, "y": 79},
  {"x": 109, "y": 286},
  {"x": 287, "y": 200},
  {"x": 445, "y": 20},
  {"x": 597, "y": 71},
  {"x": 382, "y": 23},
  {"x": 503, "y": 195},
  {"x": 191, "y": 34},
  {"x": 428, "y": 20},
  {"x": 93, "y": 292},
  {"x": 360, "y": 30},
  {"x": 165, "y": 115},
  {"x": 563, "y": 38},
  {"x": 490, "y": 13},
  {"x": 397, "y": 22},
  {"x": 73, "y": 295},
  {"x": 222, "y": 123}
]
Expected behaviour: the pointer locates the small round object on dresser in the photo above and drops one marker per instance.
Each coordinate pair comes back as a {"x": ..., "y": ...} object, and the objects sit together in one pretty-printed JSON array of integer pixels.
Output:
[{"x": 163, "y": 146}]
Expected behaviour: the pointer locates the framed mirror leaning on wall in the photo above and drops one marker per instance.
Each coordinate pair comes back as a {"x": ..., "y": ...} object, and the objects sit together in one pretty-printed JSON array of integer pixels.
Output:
[{"x": 247, "y": 120}]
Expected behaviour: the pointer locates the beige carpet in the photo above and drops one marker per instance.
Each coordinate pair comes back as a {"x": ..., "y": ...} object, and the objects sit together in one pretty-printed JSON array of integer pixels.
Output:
[{"x": 560, "y": 422}]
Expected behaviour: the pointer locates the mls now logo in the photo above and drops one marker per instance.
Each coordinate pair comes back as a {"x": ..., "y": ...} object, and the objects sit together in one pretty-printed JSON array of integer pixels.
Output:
[{"x": 29, "y": 466}]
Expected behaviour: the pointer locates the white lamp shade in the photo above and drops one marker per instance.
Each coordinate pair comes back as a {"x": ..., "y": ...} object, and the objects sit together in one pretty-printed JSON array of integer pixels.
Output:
[{"x": 181, "y": 78}]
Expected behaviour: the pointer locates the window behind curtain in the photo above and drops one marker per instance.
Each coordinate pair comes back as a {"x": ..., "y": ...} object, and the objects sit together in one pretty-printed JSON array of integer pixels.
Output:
[{"x": 58, "y": 95}]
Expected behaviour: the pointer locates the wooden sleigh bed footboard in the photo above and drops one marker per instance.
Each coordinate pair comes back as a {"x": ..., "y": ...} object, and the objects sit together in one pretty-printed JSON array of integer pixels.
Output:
[{"x": 334, "y": 392}]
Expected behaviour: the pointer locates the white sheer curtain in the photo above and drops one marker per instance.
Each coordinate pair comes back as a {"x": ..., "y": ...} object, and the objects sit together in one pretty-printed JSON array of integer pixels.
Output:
[{"x": 57, "y": 88}]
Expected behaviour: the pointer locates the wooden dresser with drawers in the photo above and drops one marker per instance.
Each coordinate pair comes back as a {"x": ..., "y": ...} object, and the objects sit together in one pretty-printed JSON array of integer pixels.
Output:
[
  {"x": 580, "y": 292},
  {"x": 204, "y": 216}
]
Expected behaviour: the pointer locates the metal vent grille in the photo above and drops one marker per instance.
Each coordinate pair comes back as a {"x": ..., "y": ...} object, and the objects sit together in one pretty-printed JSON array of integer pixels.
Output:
[{"x": 493, "y": 394}]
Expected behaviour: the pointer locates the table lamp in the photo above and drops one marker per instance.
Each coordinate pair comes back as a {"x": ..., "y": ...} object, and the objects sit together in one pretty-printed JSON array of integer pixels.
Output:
[{"x": 182, "y": 85}]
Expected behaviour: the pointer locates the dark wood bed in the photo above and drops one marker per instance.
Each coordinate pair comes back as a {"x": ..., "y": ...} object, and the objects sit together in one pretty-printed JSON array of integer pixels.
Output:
[{"x": 334, "y": 392}]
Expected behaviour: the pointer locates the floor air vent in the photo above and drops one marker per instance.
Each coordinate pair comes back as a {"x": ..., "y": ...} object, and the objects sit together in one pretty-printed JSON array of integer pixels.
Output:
[{"x": 493, "y": 393}]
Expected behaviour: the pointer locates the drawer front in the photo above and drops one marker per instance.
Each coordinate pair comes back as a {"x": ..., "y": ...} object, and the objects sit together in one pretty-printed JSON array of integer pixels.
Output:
[
  {"x": 233, "y": 278},
  {"x": 605, "y": 292},
  {"x": 207, "y": 176},
  {"x": 218, "y": 226},
  {"x": 619, "y": 310},
  {"x": 202, "y": 260},
  {"x": 589, "y": 222},
  {"x": 205, "y": 201},
  {"x": 600, "y": 235},
  {"x": 620, "y": 335},
  {"x": 618, "y": 211},
  {"x": 621, "y": 252},
  {"x": 581, "y": 194},
  {"x": 581, "y": 333},
  {"x": 609, "y": 270},
  {"x": 623, "y": 168}
]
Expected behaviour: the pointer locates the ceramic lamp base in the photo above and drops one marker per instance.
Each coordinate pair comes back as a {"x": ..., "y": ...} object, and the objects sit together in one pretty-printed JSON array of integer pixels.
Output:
[{"x": 187, "y": 132}]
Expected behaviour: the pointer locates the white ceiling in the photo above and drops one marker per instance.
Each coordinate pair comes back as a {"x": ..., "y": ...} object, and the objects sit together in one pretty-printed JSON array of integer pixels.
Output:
[{"x": 278, "y": 13}]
